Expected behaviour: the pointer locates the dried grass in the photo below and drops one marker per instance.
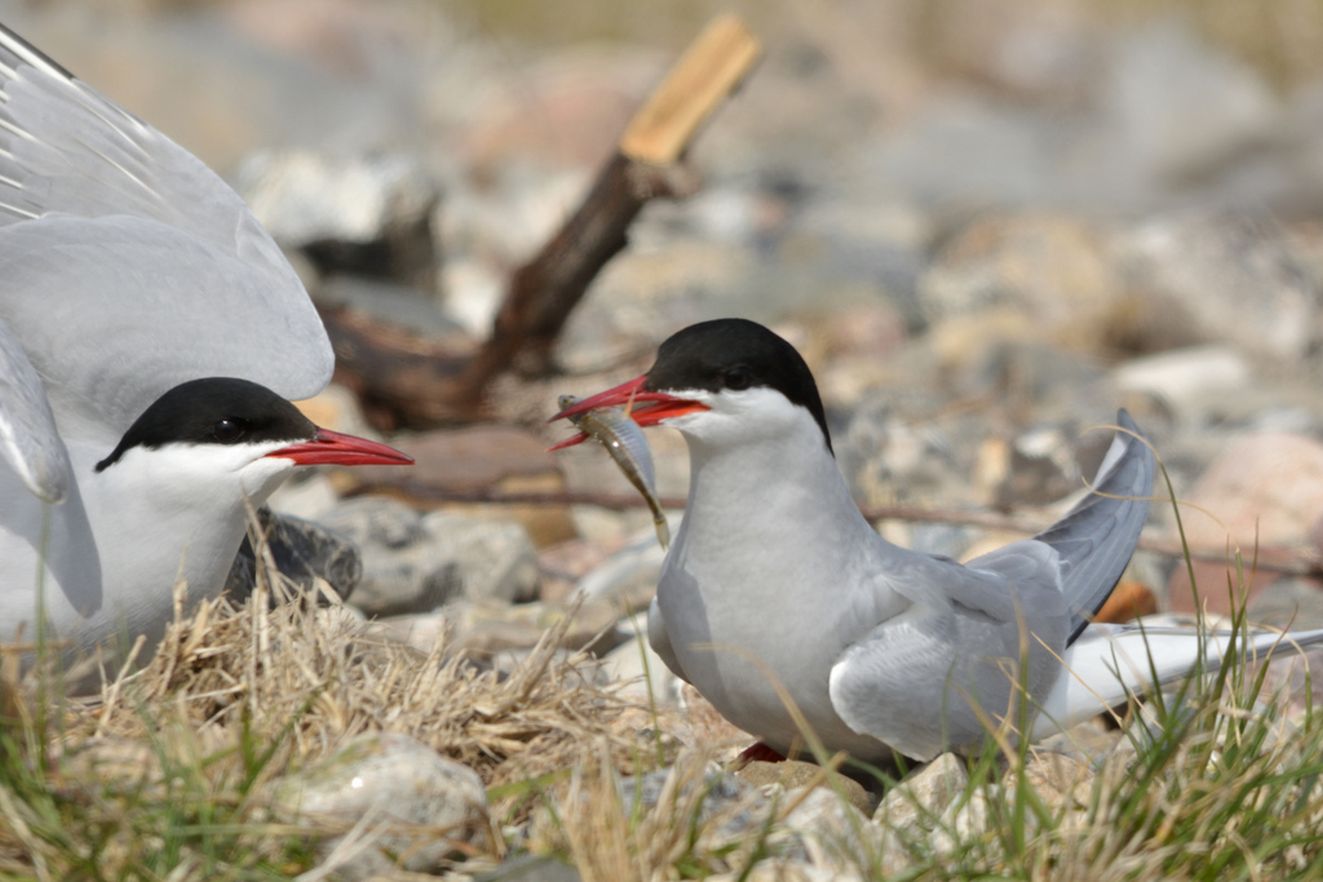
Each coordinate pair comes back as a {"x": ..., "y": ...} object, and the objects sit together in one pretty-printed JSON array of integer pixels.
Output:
[
  {"x": 236, "y": 697},
  {"x": 320, "y": 674}
]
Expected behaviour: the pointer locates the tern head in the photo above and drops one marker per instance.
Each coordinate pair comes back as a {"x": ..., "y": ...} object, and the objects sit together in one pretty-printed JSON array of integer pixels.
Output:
[
  {"x": 223, "y": 431},
  {"x": 723, "y": 382}
]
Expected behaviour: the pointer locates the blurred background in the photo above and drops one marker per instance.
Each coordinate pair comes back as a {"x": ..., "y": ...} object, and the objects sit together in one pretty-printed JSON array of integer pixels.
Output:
[{"x": 986, "y": 224}]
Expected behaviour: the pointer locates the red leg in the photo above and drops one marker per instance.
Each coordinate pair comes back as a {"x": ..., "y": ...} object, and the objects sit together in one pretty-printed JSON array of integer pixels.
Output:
[{"x": 759, "y": 752}]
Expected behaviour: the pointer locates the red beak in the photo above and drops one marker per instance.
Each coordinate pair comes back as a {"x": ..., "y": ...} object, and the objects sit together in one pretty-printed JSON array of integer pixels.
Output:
[
  {"x": 645, "y": 408},
  {"x": 334, "y": 448}
]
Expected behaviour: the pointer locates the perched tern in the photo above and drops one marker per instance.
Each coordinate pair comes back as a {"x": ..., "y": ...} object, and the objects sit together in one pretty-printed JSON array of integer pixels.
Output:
[
  {"x": 151, "y": 334},
  {"x": 776, "y": 590}
]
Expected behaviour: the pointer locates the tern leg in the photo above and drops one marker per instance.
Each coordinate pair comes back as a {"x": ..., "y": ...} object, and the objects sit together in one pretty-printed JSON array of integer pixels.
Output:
[{"x": 759, "y": 753}]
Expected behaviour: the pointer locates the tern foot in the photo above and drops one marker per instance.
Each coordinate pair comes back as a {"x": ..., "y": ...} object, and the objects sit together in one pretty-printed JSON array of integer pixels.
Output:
[{"x": 759, "y": 753}]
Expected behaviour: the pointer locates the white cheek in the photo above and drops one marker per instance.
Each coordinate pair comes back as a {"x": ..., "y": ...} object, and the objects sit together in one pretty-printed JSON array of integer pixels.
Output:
[
  {"x": 261, "y": 477},
  {"x": 686, "y": 421}
]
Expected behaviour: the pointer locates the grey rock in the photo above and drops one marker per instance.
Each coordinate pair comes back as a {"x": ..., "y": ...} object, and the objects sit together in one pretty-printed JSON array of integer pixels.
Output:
[
  {"x": 642, "y": 671},
  {"x": 1031, "y": 373},
  {"x": 1183, "y": 378},
  {"x": 371, "y": 215},
  {"x": 1042, "y": 465},
  {"x": 961, "y": 154},
  {"x": 1051, "y": 268},
  {"x": 1090, "y": 742},
  {"x": 496, "y": 559},
  {"x": 411, "y": 801},
  {"x": 629, "y": 576},
  {"x": 830, "y": 828},
  {"x": 472, "y": 291},
  {"x": 722, "y": 791},
  {"x": 1158, "y": 95},
  {"x": 402, "y": 573},
  {"x": 309, "y": 494},
  {"x": 490, "y": 627},
  {"x": 1288, "y": 603},
  {"x": 301, "y": 550},
  {"x": 1190, "y": 273},
  {"x": 414, "y": 563},
  {"x": 530, "y": 868},
  {"x": 886, "y": 458},
  {"x": 925, "y": 795}
]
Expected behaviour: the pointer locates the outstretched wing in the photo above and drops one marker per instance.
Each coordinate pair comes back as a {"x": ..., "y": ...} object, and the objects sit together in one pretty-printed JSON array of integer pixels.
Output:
[
  {"x": 29, "y": 441},
  {"x": 127, "y": 266}
]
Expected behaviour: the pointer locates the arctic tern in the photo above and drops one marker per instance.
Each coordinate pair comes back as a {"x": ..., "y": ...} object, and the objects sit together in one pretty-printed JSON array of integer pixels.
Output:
[
  {"x": 776, "y": 587},
  {"x": 151, "y": 334}
]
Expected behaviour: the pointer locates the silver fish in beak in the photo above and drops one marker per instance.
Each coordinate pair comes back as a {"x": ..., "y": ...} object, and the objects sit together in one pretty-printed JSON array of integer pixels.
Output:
[{"x": 615, "y": 430}]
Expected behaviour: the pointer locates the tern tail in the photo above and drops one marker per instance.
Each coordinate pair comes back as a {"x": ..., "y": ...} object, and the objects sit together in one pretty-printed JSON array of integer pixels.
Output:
[{"x": 1097, "y": 538}]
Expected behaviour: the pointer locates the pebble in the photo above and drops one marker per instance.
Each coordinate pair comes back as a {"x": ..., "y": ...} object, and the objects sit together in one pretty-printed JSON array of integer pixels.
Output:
[
  {"x": 488, "y": 458},
  {"x": 429, "y": 807},
  {"x": 1294, "y": 602},
  {"x": 303, "y": 551},
  {"x": 488, "y": 626},
  {"x": 414, "y": 563},
  {"x": 1190, "y": 272},
  {"x": 1264, "y": 488},
  {"x": 791, "y": 775},
  {"x": 924, "y": 795},
  {"x": 1182, "y": 378},
  {"x": 640, "y": 670}
]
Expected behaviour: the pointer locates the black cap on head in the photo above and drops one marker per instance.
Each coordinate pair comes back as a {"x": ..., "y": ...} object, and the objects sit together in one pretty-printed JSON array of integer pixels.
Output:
[
  {"x": 216, "y": 410},
  {"x": 736, "y": 354}
]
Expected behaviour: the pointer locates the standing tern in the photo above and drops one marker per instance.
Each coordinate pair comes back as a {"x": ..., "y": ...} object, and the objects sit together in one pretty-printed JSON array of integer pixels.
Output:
[
  {"x": 776, "y": 587},
  {"x": 151, "y": 334}
]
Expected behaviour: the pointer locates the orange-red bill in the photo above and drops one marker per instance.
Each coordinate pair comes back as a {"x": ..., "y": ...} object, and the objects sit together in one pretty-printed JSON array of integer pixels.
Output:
[
  {"x": 336, "y": 448},
  {"x": 645, "y": 407}
]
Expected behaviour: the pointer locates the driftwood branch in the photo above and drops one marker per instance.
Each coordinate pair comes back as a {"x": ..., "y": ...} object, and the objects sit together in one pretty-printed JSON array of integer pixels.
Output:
[
  {"x": 647, "y": 163},
  {"x": 1272, "y": 559}
]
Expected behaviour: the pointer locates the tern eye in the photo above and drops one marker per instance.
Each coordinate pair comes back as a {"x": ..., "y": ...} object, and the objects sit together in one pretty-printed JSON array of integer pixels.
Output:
[
  {"x": 228, "y": 430},
  {"x": 737, "y": 378}
]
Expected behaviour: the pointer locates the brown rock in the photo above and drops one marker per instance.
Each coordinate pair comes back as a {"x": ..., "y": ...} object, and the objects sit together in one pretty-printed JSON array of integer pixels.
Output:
[
  {"x": 1049, "y": 271},
  {"x": 1061, "y": 781},
  {"x": 492, "y": 627},
  {"x": 1265, "y": 488},
  {"x": 790, "y": 774},
  {"x": 454, "y": 464}
]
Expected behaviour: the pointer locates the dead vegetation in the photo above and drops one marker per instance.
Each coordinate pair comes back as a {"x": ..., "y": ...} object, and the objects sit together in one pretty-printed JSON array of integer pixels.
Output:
[{"x": 185, "y": 747}]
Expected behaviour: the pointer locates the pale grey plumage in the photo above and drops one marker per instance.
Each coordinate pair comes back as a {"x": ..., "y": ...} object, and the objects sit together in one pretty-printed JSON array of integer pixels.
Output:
[
  {"x": 29, "y": 439},
  {"x": 127, "y": 267},
  {"x": 777, "y": 592}
]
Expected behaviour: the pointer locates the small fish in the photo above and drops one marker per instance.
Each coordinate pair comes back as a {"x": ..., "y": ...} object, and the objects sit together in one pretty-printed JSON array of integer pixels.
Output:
[{"x": 623, "y": 439}]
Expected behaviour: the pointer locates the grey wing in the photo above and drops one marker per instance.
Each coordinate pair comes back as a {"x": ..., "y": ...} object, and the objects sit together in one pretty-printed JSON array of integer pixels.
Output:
[
  {"x": 931, "y": 678},
  {"x": 145, "y": 236},
  {"x": 114, "y": 311},
  {"x": 29, "y": 440},
  {"x": 66, "y": 149}
]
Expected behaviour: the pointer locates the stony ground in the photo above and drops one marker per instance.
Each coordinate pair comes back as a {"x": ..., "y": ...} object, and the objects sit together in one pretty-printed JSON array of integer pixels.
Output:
[{"x": 985, "y": 225}]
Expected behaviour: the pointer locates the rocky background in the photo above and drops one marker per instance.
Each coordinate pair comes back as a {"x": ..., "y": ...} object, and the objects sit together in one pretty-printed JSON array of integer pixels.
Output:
[{"x": 986, "y": 224}]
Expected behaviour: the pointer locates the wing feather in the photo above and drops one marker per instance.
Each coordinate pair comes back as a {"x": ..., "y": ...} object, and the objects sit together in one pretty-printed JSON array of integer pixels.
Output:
[{"x": 128, "y": 266}]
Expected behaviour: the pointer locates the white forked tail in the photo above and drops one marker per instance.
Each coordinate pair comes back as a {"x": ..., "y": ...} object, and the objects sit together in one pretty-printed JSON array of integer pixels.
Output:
[{"x": 1108, "y": 664}]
